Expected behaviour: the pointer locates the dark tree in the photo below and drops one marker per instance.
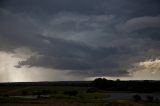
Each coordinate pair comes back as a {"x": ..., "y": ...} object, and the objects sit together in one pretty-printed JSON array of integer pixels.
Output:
[
  {"x": 100, "y": 83},
  {"x": 137, "y": 98},
  {"x": 150, "y": 98},
  {"x": 157, "y": 100}
]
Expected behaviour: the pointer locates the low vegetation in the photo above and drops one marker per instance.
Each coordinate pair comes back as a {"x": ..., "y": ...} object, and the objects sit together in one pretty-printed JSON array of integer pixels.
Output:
[{"x": 71, "y": 94}]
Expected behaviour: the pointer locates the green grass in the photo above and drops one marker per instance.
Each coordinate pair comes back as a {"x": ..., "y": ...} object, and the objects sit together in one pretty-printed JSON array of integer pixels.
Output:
[
  {"x": 152, "y": 104},
  {"x": 56, "y": 92},
  {"x": 59, "y": 98}
]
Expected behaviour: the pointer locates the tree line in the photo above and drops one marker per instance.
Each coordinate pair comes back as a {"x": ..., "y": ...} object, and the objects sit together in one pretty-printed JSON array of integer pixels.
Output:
[{"x": 133, "y": 86}]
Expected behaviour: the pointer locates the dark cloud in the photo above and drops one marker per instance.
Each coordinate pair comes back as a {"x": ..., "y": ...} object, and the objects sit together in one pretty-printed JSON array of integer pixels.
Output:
[
  {"x": 123, "y": 8},
  {"x": 87, "y": 37},
  {"x": 139, "y": 23},
  {"x": 149, "y": 33},
  {"x": 52, "y": 7},
  {"x": 77, "y": 57}
]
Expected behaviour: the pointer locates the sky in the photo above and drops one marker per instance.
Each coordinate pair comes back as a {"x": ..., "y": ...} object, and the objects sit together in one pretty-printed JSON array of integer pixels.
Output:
[{"x": 61, "y": 40}]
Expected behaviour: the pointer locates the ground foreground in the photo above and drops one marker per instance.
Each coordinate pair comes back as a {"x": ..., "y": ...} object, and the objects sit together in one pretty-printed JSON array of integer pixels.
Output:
[{"x": 62, "y": 95}]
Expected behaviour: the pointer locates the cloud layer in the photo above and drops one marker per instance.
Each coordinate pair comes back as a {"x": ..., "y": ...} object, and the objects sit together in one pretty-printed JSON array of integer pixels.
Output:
[
  {"x": 140, "y": 23},
  {"x": 104, "y": 38}
]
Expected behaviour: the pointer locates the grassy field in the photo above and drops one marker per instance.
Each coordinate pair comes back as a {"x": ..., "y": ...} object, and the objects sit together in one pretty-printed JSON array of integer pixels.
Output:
[{"x": 60, "y": 96}]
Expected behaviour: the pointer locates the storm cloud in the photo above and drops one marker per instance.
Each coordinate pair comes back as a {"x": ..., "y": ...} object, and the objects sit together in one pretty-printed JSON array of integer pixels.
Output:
[
  {"x": 88, "y": 38},
  {"x": 140, "y": 23}
]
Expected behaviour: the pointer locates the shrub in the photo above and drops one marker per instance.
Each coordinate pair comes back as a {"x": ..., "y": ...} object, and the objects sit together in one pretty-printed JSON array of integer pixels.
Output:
[
  {"x": 92, "y": 90},
  {"x": 24, "y": 93},
  {"x": 150, "y": 98},
  {"x": 45, "y": 92},
  {"x": 54, "y": 92},
  {"x": 137, "y": 98},
  {"x": 157, "y": 100},
  {"x": 71, "y": 92}
]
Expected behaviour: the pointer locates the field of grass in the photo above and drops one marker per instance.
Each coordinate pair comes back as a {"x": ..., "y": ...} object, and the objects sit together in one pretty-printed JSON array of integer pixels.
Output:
[{"x": 60, "y": 96}]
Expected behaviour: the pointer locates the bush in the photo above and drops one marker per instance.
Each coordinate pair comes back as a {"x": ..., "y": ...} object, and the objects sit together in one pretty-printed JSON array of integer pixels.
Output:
[
  {"x": 38, "y": 93},
  {"x": 157, "y": 100},
  {"x": 71, "y": 92},
  {"x": 137, "y": 98},
  {"x": 45, "y": 92},
  {"x": 54, "y": 92},
  {"x": 5, "y": 95},
  {"x": 92, "y": 90},
  {"x": 24, "y": 93},
  {"x": 150, "y": 98}
]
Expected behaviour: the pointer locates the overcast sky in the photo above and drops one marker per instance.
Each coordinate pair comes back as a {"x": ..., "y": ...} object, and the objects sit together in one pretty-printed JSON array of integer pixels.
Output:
[{"x": 52, "y": 40}]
